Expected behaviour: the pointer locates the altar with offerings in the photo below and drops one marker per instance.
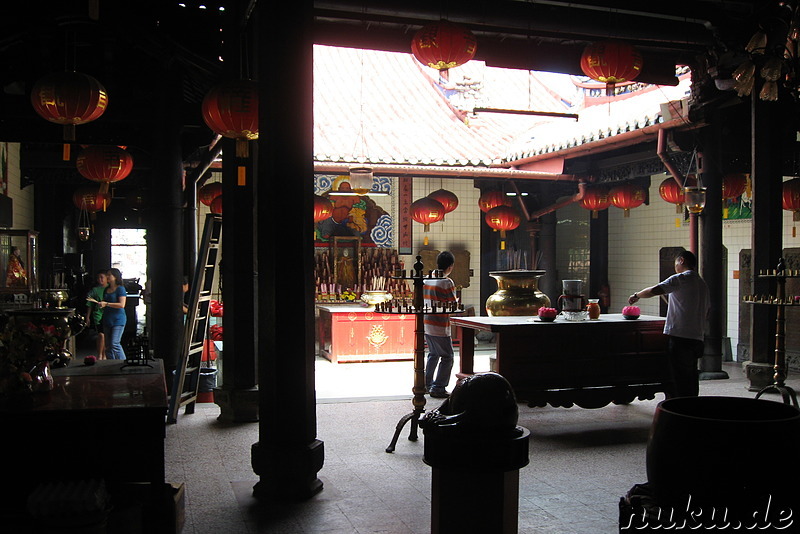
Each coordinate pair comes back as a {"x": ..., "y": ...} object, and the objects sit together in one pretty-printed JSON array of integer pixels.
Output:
[{"x": 351, "y": 333}]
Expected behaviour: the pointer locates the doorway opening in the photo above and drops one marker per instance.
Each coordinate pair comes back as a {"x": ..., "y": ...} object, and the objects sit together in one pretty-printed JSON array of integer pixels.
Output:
[{"x": 129, "y": 255}]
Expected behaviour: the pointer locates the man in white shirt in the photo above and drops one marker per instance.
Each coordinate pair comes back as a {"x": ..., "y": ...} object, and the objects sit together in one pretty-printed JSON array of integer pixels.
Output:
[
  {"x": 437, "y": 292},
  {"x": 687, "y": 313}
]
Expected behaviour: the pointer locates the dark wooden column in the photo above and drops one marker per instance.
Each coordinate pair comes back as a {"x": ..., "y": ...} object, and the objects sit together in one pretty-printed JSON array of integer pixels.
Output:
[
  {"x": 710, "y": 261},
  {"x": 164, "y": 231},
  {"x": 598, "y": 254},
  {"x": 768, "y": 125},
  {"x": 287, "y": 456},
  {"x": 238, "y": 395}
]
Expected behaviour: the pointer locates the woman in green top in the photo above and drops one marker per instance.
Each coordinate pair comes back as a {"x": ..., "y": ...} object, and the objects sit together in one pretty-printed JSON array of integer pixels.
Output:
[{"x": 96, "y": 312}]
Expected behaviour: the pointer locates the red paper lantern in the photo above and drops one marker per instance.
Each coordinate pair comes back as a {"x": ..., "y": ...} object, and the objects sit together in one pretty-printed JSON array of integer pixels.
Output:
[
  {"x": 611, "y": 62},
  {"x": 502, "y": 218},
  {"x": 443, "y": 45},
  {"x": 627, "y": 196},
  {"x": 446, "y": 198},
  {"x": 323, "y": 208},
  {"x": 209, "y": 192},
  {"x": 90, "y": 198},
  {"x": 791, "y": 201},
  {"x": 733, "y": 185},
  {"x": 491, "y": 199},
  {"x": 672, "y": 192},
  {"x": 69, "y": 99},
  {"x": 231, "y": 110},
  {"x": 595, "y": 199},
  {"x": 216, "y": 205},
  {"x": 104, "y": 164},
  {"x": 427, "y": 211}
]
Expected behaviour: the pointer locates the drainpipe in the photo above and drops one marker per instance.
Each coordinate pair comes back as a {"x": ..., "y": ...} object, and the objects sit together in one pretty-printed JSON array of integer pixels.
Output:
[
  {"x": 663, "y": 155},
  {"x": 577, "y": 197}
]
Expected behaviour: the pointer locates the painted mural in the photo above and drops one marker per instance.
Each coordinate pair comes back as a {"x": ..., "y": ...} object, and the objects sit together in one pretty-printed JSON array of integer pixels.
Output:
[{"x": 356, "y": 216}]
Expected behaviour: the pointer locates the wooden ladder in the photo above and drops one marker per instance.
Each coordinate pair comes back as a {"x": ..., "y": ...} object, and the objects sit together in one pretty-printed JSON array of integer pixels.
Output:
[{"x": 187, "y": 375}]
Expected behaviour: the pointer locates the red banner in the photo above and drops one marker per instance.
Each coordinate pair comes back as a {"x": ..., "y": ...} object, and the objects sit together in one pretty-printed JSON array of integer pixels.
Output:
[{"x": 404, "y": 226}]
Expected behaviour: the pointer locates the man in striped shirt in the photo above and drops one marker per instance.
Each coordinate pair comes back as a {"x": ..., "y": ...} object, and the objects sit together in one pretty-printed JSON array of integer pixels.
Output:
[{"x": 437, "y": 293}]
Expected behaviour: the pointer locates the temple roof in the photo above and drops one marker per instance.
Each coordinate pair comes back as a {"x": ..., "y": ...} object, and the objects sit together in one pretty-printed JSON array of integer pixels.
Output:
[
  {"x": 379, "y": 107},
  {"x": 385, "y": 107}
]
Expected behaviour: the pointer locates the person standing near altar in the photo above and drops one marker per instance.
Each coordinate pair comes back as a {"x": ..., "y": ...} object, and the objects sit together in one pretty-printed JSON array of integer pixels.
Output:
[
  {"x": 114, "y": 318},
  {"x": 96, "y": 312},
  {"x": 439, "y": 292}
]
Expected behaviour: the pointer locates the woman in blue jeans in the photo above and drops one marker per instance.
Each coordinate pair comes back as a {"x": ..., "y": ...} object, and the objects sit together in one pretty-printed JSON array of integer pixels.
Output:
[{"x": 114, "y": 318}]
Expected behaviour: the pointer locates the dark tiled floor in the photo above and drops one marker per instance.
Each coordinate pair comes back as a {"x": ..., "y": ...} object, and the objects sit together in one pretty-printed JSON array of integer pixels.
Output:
[{"x": 581, "y": 463}]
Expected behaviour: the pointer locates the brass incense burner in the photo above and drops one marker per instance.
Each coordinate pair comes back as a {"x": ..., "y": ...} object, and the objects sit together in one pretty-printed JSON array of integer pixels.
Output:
[
  {"x": 54, "y": 298},
  {"x": 371, "y": 298}
]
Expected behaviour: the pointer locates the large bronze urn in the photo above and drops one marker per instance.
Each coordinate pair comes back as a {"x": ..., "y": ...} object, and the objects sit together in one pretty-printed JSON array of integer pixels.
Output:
[{"x": 517, "y": 293}]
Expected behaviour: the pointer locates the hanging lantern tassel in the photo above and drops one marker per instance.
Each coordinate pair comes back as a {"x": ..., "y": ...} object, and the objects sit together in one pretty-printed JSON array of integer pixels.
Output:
[
  {"x": 425, "y": 228},
  {"x": 66, "y": 153},
  {"x": 242, "y": 152},
  {"x": 626, "y": 212},
  {"x": 795, "y": 218},
  {"x": 502, "y": 239}
]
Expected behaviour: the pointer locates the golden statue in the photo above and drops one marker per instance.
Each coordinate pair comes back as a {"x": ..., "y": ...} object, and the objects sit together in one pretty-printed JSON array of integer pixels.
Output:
[{"x": 16, "y": 275}]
